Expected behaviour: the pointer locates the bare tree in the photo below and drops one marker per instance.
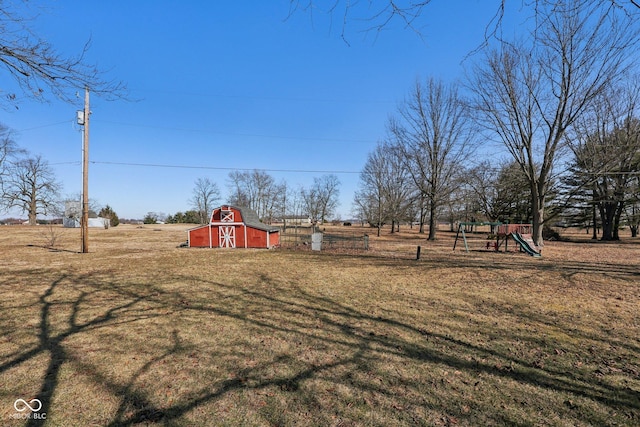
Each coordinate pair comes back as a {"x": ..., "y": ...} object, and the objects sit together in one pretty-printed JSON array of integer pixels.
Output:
[
  {"x": 370, "y": 198},
  {"x": 204, "y": 195},
  {"x": 289, "y": 205},
  {"x": 458, "y": 204},
  {"x": 31, "y": 186},
  {"x": 385, "y": 192},
  {"x": 528, "y": 95},
  {"x": 399, "y": 193},
  {"x": 366, "y": 208},
  {"x": 321, "y": 199},
  {"x": 37, "y": 68},
  {"x": 433, "y": 134},
  {"x": 239, "y": 195},
  {"x": 482, "y": 189},
  {"x": 499, "y": 191},
  {"x": 258, "y": 191}
]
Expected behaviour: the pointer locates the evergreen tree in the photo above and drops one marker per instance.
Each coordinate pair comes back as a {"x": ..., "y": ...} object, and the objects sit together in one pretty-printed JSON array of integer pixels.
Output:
[
  {"x": 192, "y": 217},
  {"x": 150, "y": 218},
  {"x": 108, "y": 212}
]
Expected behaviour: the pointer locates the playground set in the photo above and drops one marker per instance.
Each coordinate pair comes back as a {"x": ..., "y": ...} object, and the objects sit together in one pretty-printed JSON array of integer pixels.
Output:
[{"x": 502, "y": 233}]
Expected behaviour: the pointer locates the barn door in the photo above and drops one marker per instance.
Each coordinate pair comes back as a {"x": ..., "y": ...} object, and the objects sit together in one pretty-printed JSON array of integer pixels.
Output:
[{"x": 227, "y": 236}]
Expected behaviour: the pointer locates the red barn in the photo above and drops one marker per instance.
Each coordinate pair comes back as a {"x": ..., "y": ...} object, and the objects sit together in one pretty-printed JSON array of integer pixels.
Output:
[{"x": 234, "y": 227}]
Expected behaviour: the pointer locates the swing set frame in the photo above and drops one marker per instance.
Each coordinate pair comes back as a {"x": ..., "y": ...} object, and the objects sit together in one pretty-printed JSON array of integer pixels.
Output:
[{"x": 501, "y": 231}]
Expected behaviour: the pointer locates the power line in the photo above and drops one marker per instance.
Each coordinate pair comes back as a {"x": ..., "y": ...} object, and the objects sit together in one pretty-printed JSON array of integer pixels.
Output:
[
  {"x": 44, "y": 126},
  {"x": 159, "y": 165},
  {"x": 172, "y": 166},
  {"x": 75, "y": 163}
]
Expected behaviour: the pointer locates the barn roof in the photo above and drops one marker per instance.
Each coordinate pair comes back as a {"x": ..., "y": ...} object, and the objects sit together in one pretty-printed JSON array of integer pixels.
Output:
[{"x": 250, "y": 218}]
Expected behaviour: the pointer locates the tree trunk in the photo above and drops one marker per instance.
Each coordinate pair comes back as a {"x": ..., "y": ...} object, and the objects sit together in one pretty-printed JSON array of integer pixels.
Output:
[
  {"x": 33, "y": 207},
  {"x": 616, "y": 221},
  {"x": 607, "y": 216},
  {"x": 595, "y": 224},
  {"x": 537, "y": 214},
  {"x": 633, "y": 221},
  {"x": 432, "y": 222},
  {"x": 538, "y": 218}
]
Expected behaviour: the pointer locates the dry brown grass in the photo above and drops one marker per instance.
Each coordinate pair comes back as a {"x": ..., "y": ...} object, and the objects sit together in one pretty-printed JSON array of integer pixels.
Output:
[{"x": 140, "y": 332}]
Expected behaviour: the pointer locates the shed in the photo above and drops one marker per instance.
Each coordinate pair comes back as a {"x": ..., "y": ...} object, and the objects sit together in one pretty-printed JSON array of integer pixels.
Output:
[
  {"x": 73, "y": 214},
  {"x": 98, "y": 222},
  {"x": 233, "y": 227}
]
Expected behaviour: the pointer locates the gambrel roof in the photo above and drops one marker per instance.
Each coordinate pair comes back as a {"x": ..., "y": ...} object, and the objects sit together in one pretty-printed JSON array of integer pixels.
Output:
[{"x": 250, "y": 218}]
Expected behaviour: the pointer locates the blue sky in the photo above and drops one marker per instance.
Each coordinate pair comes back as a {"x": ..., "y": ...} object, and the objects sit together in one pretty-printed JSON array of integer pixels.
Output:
[{"x": 218, "y": 85}]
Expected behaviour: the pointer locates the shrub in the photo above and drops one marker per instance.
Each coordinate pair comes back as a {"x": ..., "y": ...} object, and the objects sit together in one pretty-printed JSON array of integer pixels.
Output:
[{"x": 108, "y": 212}]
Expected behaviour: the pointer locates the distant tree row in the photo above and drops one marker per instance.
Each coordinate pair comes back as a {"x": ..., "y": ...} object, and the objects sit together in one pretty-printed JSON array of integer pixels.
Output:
[
  {"x": 259, "y": 191},
  {"x": 270, "y": 200},
  {"x": 188, "y": 217}
]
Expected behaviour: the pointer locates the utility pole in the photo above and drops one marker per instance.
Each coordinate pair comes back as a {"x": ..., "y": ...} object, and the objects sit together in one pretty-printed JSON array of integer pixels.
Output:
[{"x": 85, "y": 175}]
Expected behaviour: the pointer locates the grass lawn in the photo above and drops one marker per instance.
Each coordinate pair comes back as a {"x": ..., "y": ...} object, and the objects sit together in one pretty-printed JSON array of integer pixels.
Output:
[{"x": 140, "y": 332}]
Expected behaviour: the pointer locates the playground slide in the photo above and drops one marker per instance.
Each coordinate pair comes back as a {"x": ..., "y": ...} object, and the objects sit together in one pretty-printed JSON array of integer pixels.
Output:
[{"x": 526, "y": 244}]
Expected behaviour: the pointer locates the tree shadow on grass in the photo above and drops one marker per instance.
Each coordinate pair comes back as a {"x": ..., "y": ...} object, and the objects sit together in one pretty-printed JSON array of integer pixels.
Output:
[
  {"x": 343, "y": 319},
  {"x": 268, "y": 307},
  {"x": 53, "y": 248},
  {"x": 498, "y": 262},
  {"x": 53, "y": 343}
]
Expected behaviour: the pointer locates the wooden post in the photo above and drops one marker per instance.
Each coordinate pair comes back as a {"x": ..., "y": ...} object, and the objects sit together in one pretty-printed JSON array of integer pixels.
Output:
[
  {"x": 418, "y": 253},
  {"x": 85, "y": 175}
]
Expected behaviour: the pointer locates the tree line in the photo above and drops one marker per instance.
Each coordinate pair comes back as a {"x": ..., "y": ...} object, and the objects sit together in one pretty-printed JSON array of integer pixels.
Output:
[
  {"x": 562, "y": 104},
  {"x": 260, "y": 192}
]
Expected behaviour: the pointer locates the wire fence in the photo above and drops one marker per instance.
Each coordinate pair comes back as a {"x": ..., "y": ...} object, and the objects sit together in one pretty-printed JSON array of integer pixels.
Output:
[
  {"x": 300, "y": 239},
  {"x": 352, "y": 242}
]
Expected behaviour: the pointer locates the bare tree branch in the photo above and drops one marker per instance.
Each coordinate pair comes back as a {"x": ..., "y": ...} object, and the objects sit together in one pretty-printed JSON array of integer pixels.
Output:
[{"x": 37, "y": 68}]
